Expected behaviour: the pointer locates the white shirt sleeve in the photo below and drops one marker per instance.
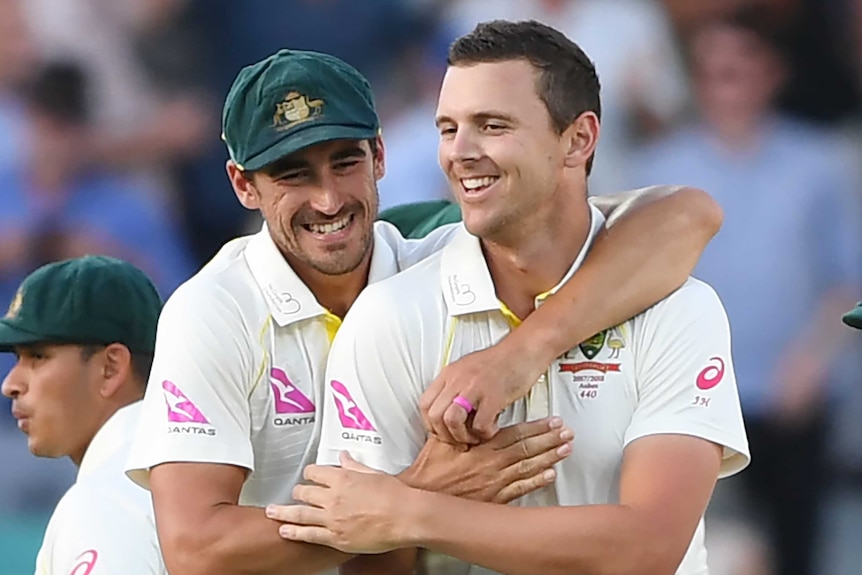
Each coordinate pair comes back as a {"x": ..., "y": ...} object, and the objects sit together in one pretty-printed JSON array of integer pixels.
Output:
[
  {"x": 94, "y": 534},
  {"x": 372, "y": 389},
  {"x": 685, "y": 379},
  {"x": 196, "y": 408}
]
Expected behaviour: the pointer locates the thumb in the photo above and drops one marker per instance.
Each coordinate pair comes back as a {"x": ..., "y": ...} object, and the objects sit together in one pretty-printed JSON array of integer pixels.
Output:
[{"x": 350, "y": 464}]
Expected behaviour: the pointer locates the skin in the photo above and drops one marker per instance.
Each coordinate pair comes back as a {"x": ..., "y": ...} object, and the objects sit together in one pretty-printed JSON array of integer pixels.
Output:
[
  {"x": 493, "y": 124},
  {"x": 321, "y": 184},
  {"x": 201, "y": 526},
  {"x": 61, "y": 400}
]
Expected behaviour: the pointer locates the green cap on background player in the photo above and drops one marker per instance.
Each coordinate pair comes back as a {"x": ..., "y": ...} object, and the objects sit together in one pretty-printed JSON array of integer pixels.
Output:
[
  {"x": 87, "y": 300},
  {"x": 292, "y": 100},
  {"x": 417, "y": 220},
  {"x": 853, "y": 318}
]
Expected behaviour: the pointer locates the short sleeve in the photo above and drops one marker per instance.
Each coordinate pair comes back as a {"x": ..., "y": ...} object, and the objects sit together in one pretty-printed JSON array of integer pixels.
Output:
[
  {"x": 97, "y": 535},
  {"x": 196, "y": 408},
  {"x": 372, "y": 389},
  {"x": 685, "y": 379}
]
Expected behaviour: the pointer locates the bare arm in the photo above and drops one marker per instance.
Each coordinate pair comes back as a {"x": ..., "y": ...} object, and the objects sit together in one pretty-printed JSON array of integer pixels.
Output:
[
  {"x": 665, "y": 485},
  {"x": 666, "y": 482},
  {"x": 203, "y": 530},
  {"x": 652, "y": 241}
]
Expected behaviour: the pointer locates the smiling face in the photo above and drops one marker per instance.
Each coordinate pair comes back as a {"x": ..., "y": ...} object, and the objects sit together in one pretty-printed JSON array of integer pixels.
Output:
[
  {"x": 319, "y": 203},
  {"x": 498, "y": 147},
  {"x": 55, "y": 398}
]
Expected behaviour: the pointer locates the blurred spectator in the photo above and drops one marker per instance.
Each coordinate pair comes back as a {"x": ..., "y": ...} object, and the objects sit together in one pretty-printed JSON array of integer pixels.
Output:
[
  {"x": 633, "y": 46},
  {"x": 17, "y": 58},
  {"x": 786, "y": 261},
  {"x": 153, "y": 114},
  {"x": 411, "y": 137}
]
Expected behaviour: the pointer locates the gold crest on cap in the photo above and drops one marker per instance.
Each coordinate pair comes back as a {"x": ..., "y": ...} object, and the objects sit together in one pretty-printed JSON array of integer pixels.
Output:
[
  {"x": 15, "y": 306},
  {"x": 295, "y": 109}
]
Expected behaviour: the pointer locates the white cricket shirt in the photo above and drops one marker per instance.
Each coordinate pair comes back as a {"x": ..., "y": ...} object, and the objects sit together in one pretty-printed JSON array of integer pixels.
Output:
[
  {"x": 240, "y": 355},
  {"x": 666, "y": 371},
  {"x": 104, "y": 523}
]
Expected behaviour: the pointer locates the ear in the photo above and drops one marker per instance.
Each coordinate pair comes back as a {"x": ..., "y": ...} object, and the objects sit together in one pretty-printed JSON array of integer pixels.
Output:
[
  {"x": 243, "y": 186},
  {"x": 116, "y": 369},
  {"x": 580, "y": 139},
  {"x": 379, "y": 160}
]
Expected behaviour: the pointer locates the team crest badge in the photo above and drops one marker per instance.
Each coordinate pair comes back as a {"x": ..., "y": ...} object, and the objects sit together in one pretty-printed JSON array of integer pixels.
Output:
[
  {"x": 295, "y": 109},
  {"x": 15, "y": 306},
  {"x": 591, "y": 347}
]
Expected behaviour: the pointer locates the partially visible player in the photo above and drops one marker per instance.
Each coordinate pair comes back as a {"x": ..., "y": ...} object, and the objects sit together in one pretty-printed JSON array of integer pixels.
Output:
[
  {"x": 653, "y": 401},
  {"x": 242, "y": 346},
  {"x": 83, "y": 332}
]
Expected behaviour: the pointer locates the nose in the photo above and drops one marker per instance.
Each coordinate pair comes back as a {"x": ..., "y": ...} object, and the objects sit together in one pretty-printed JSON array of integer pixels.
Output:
[
  {"x": 12, "y": 383},
  {"x": 463, "y": 147},
  {"x": 327, "y": 199}
]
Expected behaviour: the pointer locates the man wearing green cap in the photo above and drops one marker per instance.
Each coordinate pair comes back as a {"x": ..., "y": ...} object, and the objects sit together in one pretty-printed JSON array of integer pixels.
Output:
[
  {"x": 83, "y": 332},
  {"x": 230, "y": 417}
]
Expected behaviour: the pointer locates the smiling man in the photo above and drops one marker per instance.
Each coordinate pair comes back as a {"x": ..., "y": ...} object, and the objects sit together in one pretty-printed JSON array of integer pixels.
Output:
[
  {"x": 653, "y": 400},
  {"x": 242, "y": 346}
]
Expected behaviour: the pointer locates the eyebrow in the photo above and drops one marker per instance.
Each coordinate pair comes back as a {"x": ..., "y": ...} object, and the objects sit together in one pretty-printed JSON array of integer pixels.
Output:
[
  {"x": 479, "y": 117},
  {"x": 280, "y": 167}
]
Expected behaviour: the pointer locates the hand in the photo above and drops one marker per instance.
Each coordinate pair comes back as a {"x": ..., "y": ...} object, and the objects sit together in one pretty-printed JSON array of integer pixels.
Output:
[
  {"x": 491, "y": 379},
  {"x": 516, "y": 461},
  {"x": 354, "y": 509}
]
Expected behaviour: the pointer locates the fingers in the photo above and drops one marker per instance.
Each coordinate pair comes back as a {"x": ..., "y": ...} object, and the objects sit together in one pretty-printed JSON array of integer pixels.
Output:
[
  {"x": 522, "y": 487},
  {"x": 512, "y": 434},
  {"x": 307, "y": 534},
  {"x": 455, "y": 420},
  {"x": 321, "y": 474},
  {"x": 429, "y": 398},
  {"x": 485, "y": 420},
  {"x": 310, "y": 494},
  {"x": 540, "y": 451},
  {"x": 297, "y": 514},
  {"x": 436, "y": 415},
  {"x": 350, "y": 464}
]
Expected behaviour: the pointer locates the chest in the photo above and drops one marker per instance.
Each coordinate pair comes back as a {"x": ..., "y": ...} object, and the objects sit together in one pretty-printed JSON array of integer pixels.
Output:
[
  {"x": 593, "y": 388},
  {"x": 285, "y": 406}
]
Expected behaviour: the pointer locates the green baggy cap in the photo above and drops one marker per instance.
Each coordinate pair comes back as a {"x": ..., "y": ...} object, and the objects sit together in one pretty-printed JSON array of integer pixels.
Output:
[
  {"x": 292, "y": 100},
  {"x": 853, "y": 318},
  {"x": 87, "y": 300}
]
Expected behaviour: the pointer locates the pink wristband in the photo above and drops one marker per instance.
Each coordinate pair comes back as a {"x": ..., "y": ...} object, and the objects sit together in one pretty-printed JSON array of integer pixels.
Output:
[{"x": 464, "y": 402}]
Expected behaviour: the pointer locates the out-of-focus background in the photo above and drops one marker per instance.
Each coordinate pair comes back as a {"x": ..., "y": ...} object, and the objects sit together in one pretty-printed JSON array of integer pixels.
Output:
[{"x": 109, "y": 143}]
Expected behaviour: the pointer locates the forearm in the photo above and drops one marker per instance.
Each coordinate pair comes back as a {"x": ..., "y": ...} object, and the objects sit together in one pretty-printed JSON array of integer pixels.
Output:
[
  {"x": 594, "y": 540},
  {"x": 648, "y": 250},
  {"x": 242, "y": 540},
  {"x": 400, "y": 562}
]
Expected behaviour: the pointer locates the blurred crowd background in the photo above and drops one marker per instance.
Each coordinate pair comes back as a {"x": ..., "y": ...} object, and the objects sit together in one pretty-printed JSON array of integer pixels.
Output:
[{"x": 109, "y": 143}]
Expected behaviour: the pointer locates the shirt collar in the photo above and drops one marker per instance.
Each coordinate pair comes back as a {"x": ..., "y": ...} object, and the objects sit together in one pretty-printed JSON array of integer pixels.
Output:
[
  {"x": 111, "y": 437},
  {"x": 288, "y": 298},
  {"x": 466, "y": 280}
]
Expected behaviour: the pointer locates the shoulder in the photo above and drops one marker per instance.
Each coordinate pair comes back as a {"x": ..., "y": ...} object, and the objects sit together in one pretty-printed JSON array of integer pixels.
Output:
[
  {"x": 402, "y": 299},
  {"x": 104, "y": 502},
  {"x": 692, "y": 309},
  {"x": 224, "y": 289}
]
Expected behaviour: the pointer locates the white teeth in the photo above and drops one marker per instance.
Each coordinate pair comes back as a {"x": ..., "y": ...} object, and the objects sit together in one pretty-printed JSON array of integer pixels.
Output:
[
  {"x": 331, "y": 227},
  {"x": 476, "y": 183}
]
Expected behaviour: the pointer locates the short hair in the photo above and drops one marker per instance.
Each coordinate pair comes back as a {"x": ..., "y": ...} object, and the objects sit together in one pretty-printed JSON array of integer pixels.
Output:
[
  {"x": 758, "y": 20},
  {"x": 568, "y": 83},
  {"x": 142, "y": 363}
]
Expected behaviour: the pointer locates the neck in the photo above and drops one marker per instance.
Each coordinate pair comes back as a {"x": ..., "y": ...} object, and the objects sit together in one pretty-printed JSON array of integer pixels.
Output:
[
  {"x": 336, "y": 292},
  {"x": 536, "y": 258},
  {"x": 122, "y": 399},
  {"x": 737, "y": 133}
]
